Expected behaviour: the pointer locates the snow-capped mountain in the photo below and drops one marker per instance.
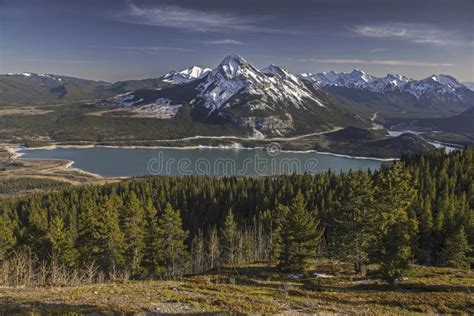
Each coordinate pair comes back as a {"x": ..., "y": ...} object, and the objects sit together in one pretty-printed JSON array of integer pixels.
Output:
[
  {"x": 185, "y": 75},
  {"x": 355, "y": 79},
  {"x": 235, "y": 77},
  {"x": 390, "y": 83},
  {"x": 442, "y": 84},
  {"x": 271, "y": 101},
  {"x": 438, "y": 92}
]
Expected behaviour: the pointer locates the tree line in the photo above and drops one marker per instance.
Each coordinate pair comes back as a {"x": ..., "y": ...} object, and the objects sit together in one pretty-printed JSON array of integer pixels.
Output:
[{"x": 417, "y": 210}]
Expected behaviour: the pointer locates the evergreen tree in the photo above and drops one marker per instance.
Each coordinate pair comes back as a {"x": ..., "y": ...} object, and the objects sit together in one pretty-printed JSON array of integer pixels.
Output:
[
  {"x": 424, "y": 215},
  {"x": 395, "y": 250},
  {"x": 350, "y": 232},
  {"x": 151, "y": 234},
  {"x": 7, "y": 239},
  {"x": 300, "y": 235},
  {"x": 100, "y": 237},
  {"x": 394, "y": 230},
  {"x": 62, "y": 243},
  {"x": 229, "y": 238},
  {"x": 273, "y": 221},
  {"x": 132, "y": 225},
  {"x": 171, "y": 250},
  {"x": 455, "y": 251}
]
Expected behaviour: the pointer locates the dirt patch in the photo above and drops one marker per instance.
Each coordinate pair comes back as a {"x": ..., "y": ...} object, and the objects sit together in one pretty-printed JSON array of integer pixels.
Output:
[{"x": 24, "y": 111}]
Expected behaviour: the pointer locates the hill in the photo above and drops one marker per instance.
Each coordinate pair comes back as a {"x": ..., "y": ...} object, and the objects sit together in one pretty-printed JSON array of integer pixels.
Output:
[{"x": 32, "y": 88}]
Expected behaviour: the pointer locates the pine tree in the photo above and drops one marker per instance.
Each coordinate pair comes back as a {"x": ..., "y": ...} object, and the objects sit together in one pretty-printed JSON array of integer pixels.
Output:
[
  {"x": 425, "y": 244},
  {"x": 455, "y": 251},
  {"x": 169, "y": 244},
  {"x": 396, "y": 250},
  {"x": 350, "y": 231},
  {"x": 100, "y": 238},
  {"x": 132, "y": 225},
  {"x": 61, "y": 243},
  {"x": 229, "y": 234},
  {"x": 151, "y": 234},
  {"x": 300, "y": 235},
  {"x": 394, "y": 230},
  {"x": 7, "y": 239}
]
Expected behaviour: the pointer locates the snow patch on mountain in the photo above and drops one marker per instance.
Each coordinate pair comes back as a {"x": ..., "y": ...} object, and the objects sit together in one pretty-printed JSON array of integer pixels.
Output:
[
  {"x": 185, "y": 75},
  {"x": 161, "y": 108}
]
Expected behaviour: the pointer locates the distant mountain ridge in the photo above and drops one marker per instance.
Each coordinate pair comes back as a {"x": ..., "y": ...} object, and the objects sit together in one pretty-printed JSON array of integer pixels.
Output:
[
  {"x": 30, "y": 87},
  {"x": 392, "y": 82},
  {"x": 430, "y": 91}
]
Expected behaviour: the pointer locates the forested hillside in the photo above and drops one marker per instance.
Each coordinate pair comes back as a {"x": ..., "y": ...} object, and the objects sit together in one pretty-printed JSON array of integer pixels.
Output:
[{"x": 417, "y": 210}]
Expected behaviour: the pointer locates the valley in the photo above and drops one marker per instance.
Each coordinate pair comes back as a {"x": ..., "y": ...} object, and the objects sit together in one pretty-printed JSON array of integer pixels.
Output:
[{"x": 179, "y": 157}]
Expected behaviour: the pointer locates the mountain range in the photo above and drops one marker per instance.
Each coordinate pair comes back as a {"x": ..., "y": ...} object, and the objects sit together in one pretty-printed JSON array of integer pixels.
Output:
[
  {"x": 270, "y": 101},
  {"x": 441, "y": 92}
]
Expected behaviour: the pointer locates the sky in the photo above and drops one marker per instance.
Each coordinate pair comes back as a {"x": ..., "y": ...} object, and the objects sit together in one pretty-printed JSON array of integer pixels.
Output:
[{"x": 114, "y": 40}]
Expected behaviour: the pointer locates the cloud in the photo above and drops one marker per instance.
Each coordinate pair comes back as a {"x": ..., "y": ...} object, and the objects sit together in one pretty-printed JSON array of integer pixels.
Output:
[
  {"x": 173, "y": 16},
  {"x": 226, "y": 41},
  {"x": 384, "y": 62},
  {"x": 412, "y": 32}
]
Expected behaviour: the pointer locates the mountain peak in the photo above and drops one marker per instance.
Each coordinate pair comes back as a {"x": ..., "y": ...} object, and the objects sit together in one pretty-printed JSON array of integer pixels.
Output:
[
  {"x": 233, "y": 59},
  {"x": 232, "y": 63},
  {"x": 233, "y": 56},
  {"x": 357, "y": 72},
  {"x": 236, "y": 76},
  {"x": 185, "y": 75}
]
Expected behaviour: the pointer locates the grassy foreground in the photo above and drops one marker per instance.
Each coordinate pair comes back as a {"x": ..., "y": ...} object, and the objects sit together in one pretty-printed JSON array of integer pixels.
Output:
[{"x": 259, "y": 289}]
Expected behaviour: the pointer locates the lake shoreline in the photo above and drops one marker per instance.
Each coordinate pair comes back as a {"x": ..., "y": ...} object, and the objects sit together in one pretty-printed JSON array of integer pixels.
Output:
[
  {"x": 213, "y": 156},
  {"x": 238, "y": 147}
]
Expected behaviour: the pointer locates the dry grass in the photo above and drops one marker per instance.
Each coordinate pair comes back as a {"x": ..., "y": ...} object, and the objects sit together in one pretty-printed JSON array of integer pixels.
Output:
[
  {"x": 261, "y": 289},
  {"x": 26, "y": 111}
]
